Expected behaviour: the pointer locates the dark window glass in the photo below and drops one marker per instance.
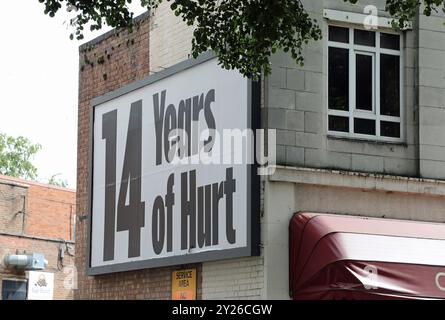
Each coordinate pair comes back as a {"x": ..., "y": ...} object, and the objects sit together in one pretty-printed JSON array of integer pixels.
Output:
[
  {"x": 338, "y": 79},
  {"x": 364, "y": 38},
  {"x": 390, "y": 41},
  {"x": 337, "y": 123},
  {"x": 339, "y": 34},
  {"x": 14, "y": 290},
  {"x": 364, "y": 126},
  {"x": 363, "y": 66},
  {"x": 390, "y": 129},
  {"x": 389, "y": 85}
]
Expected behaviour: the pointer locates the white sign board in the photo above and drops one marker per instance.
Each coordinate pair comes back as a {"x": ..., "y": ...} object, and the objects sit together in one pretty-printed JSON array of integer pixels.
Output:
[
  {"x": 40, "y": 285},
  {"x": 155, "y": 204}
]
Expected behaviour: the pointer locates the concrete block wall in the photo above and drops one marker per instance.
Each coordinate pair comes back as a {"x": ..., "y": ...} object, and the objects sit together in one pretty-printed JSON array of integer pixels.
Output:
[
  {"x": 327, "y": 191},
  {"x": 170, "y": 38},
  {"x": 297, "y": 108},
  {"x": 432, "y": 95},
  {"x": 233, "y": 279}
]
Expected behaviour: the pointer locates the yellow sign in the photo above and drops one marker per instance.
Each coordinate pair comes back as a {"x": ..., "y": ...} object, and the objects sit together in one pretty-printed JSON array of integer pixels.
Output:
[{"x": 184, "y": 284}]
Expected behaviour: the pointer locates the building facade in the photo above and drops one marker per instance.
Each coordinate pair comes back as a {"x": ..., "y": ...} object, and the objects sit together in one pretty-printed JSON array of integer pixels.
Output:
[
  {"x": 36, "y": 219},
  {"x": 359, "y": 132}
]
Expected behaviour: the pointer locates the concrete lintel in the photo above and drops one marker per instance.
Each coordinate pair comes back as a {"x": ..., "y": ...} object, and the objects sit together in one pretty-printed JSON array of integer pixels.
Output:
[{"x": 360, "y": 180}]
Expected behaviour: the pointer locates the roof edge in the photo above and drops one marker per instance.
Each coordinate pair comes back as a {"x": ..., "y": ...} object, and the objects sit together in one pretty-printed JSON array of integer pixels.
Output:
[
  {"x": 27, "y": 183},
  {"x": 110, "y": 33}
]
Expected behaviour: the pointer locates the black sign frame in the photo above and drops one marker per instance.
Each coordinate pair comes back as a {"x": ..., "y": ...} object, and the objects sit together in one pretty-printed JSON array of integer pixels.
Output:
[{"x": 253, "y": 181}]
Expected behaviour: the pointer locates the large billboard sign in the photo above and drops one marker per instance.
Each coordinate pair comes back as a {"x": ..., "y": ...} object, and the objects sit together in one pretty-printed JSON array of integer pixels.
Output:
[{"x": 167, "y": 185}]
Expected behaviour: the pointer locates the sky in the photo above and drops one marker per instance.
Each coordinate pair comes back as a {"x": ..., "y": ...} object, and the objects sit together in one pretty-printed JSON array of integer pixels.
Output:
[{"x": 39, "y": 84}]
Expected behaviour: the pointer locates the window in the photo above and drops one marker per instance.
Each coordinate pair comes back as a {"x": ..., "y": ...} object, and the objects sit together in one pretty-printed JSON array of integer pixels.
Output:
[
  {"x": 364, "y": 87},
  {"x": 14, "y": 290}
]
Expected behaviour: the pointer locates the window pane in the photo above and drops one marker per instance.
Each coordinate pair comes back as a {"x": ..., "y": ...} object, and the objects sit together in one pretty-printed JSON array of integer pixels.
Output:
[
  {"x": 338, "y": 34},
  {"x": 363, "y": 66},
  {"x": 14, "y": 290},
  {"x": 390, "y": 41},
  {"x": 390, "y": 85},
  {"x": 364, "y": 38},
  {"x": 390, "y": 129},
  {"x": 338, "y": 79},
  {"x": 337, "y": 123},
  {"x": 364, "y": 126}
]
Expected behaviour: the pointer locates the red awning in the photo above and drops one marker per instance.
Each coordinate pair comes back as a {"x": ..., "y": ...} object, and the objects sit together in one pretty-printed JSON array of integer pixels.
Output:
[{"x": 348, "y": 257}]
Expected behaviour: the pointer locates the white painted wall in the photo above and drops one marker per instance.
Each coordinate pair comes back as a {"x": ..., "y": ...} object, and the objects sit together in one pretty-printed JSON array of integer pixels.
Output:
[
  {"x": 233, "y": 279},
  {"x": 170, "y": 38}
]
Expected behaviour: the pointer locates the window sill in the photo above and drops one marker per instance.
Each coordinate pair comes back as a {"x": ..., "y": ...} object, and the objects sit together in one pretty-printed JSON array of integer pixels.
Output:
[{"x": 366, "y": 140}]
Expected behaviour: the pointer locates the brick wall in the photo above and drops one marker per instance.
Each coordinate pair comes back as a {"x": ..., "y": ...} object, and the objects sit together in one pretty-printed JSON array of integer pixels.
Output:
[
  {"x": 169, "y": 40},
  {"x": 107, "y": 63},
  {"x": 50, "y": 213},
  {"x": 63, "y": 275},
  {"x": 36, "y": 209},
  {"x": 38, "y": 218},
  {"x": 12, "y": 198}
]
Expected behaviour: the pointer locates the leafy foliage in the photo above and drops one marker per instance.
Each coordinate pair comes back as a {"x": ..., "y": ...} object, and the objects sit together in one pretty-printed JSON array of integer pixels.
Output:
[
  {"x": 57, "y": 181},
  {"x": 15, "y": 157},
  {"x": 243, "y": 33},
  {"x": 405, "y": 10}
]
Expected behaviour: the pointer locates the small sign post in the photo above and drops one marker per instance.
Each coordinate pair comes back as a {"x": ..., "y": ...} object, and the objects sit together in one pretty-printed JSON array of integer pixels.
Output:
[
  {"x": 40, "y": 285},
  {"x": 184, "y": 284}
]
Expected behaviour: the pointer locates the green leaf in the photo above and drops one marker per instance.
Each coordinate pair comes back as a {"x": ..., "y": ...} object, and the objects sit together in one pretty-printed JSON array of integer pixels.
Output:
[
  {"x": 243, "y": 33},
  {"x": 15, "y": 157}
]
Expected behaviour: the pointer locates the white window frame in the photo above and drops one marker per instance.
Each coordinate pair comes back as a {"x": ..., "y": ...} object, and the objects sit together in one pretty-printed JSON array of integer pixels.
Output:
[{"x": 365, "y": 114}]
